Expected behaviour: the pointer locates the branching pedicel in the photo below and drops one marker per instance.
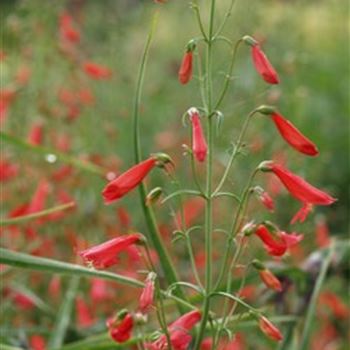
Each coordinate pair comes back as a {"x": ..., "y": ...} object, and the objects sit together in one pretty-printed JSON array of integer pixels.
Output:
[{"x": 175, "y": 333}]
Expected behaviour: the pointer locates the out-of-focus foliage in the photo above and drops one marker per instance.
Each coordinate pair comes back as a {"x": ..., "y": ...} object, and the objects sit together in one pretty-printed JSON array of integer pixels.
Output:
[{"x": 307, "y": 41}]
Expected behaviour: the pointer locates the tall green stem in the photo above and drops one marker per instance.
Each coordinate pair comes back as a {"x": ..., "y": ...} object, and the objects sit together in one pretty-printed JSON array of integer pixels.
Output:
[
  {"x": 154, "y": 234},
  {"x": 209, "y": 203}
]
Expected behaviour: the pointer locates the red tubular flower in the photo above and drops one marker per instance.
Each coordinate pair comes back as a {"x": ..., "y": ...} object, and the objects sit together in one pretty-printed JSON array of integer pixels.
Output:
[
  {"x": 270, "y": 280},
  {"x": 105, "y": 254},
  {"x": 293, "y": 136},
  {"x": 67, "y": 30},
  {"x": 127, "y": 181},
  {"x": 185, "y": 71},
  {"x": 120, "y": 330},
  {"x": 97, "y": 71},
  {"x": 301, "y": 190},
  {"x": 277, "y": 246},
  {"x": 269, "y": 329},
  {"x": 37, "y": 342},
  {"x": 147, "y": 295},
  {"x": 263, "y": 65},
  {"x": 178, "y": 331},
  {"x": 199, "y": 145}
]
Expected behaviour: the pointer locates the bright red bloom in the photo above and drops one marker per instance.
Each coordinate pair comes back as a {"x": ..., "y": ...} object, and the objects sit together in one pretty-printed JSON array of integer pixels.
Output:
[
  {"x": 269, "y": 329},
  {"x": 105, "y": 255},
  {"x": 97, "y": 71},
  {"x": 84, "y": 316},
  {"x": 301, "y": 190},
  {"x": 293, "y": 136},
  {"x": 199, "y": 145},
  {"x": 127, "y": 181},
  {"x": 178, "y": 331},
  {"x": 185, "y": 71},
  {"x": 67, "y": 30},
  {"x": 279, "y": 245},
  {"x": 120, "y": 330},
  {"x": 270, "y": 280},
  {"x": 263, "y": 65},
  {"x": 147, "y": 295},
  {"x": 37, "y": 342},
  {"x": 36, "y": 134}
]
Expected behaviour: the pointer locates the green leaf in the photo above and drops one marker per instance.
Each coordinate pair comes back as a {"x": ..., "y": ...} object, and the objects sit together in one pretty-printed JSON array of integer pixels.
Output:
[
  {"x": 63, "y": 318},
  {"x": 8, "y": 347},
  {"x": 313, "y": 301},
  {"x": 25, "y": 218},
  {"x": 27, "y": 261}
]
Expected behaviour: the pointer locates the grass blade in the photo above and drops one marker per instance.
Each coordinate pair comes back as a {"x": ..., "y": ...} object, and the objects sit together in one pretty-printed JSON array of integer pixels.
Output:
[
  {"x": 63, "y": 318},
  {"x": 27, "y": 261},
  {"x": 312, "y": 305},
  {"x": 25, "y": 218}
]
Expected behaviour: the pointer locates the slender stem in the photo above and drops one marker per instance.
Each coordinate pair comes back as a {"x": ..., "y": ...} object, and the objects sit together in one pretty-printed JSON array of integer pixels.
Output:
[
  {"x": 235, "y": 152},
  {"x": 192, "y": 260},
  {"x": 199, "y": 19},
  {"x": 236, "y": 225},
  {"x": 229, "y": 75},
  {"x": 154, "y": 234},
  {"x": 227, "y": 16},
  {"x": 208, "y": 209}
]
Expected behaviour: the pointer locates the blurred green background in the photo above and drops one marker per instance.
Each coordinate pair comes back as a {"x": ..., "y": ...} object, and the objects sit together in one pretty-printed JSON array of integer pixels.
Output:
[{"x": 307, "y": 41}]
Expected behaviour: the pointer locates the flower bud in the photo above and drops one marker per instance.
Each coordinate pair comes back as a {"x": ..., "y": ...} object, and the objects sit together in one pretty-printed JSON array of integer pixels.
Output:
[
  {"x": 265, "y": 166},
  {"x": 258, "y": 265},
  {"x": 249, "y": 40},
  {"x": 267, "y": 110},
  {"x": 270, "y": 329},
  {"x": 154, "y": 195},
  {"x": 248, "y": 229}
]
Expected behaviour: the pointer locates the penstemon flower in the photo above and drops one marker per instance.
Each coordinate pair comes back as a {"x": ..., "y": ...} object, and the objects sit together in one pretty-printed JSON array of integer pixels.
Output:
[
  {"x": 199, "y": 145},
  {"x": 105, "y": 255},
  {"x": 121, "y": 326},
  {"x": 127, "y": 181},
  {"x": 178, "y": 331},
  {"x": 269, "y": 279},
  {"x": 147, "y": 295},
  {"x": 300, "y": 189},
  {"x": 185, "y": 71},
  {"x": 97, "y": 71},
  {"x": 279, "y": 245},
  {"x": 261, "y": 62},
  {"x": 270, "y": 329}
]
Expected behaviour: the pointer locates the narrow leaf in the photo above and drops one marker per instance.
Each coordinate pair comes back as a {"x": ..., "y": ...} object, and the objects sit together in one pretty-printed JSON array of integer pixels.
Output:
[
  {"x": 63, "y": 318},
  {"x": 25, "y": 218}
]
